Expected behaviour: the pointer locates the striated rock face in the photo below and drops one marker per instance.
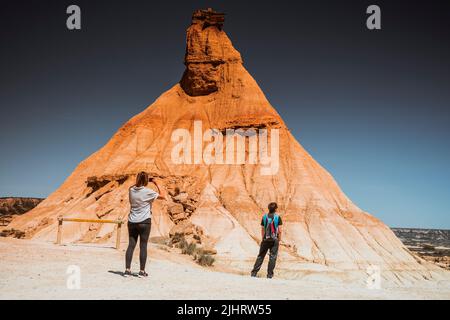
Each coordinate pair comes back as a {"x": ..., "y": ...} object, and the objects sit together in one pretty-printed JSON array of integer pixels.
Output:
[{"x": 322, "y": 227}]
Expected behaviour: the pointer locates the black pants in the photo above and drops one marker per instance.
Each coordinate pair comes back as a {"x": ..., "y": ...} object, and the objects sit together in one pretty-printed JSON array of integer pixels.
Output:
[
  {"x": 267, "y": 245},
  {"x": 135, "y": 230}
]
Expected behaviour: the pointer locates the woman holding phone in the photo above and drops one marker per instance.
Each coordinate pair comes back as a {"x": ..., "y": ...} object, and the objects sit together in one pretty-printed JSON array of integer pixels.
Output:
[{"x": 140, "y": 219}]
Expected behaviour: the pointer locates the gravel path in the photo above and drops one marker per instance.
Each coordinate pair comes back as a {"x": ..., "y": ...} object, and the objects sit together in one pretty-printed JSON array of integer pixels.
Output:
[{"x": 32, "y": 270}]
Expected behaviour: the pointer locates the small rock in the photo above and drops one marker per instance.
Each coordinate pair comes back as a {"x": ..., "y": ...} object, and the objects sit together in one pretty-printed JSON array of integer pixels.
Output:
[
  {"x": 182, "y": 197},
  {"x": 176, "y": 209}
]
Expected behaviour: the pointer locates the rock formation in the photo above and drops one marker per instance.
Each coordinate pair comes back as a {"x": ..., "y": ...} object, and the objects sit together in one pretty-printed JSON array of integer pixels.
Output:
[
  {"x": 11, "y": 206},
  {"x": 225, "y": 201},
  {"x": 17, "y": 205}
]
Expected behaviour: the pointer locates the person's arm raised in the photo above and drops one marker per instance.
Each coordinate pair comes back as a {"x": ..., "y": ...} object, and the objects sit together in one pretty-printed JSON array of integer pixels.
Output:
[{"x": 161, "y": 191}]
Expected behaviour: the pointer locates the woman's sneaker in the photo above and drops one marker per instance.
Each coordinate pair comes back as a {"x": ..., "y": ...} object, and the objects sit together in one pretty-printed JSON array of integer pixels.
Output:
[
  {"x": 142, "y": 274},
  {"x": 127, "y": 273}
]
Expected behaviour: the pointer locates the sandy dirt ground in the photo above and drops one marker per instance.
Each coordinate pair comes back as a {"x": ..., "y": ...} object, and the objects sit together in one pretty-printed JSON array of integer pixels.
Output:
[{"x": 37, "y": 270}]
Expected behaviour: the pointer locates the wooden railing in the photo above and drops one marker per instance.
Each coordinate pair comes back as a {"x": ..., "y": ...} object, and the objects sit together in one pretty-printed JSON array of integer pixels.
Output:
[{"x": 61, "y": 220}]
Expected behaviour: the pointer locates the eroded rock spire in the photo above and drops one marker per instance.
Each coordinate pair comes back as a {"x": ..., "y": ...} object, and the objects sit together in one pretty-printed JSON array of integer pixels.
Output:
[{"x": 208, "y": 49}]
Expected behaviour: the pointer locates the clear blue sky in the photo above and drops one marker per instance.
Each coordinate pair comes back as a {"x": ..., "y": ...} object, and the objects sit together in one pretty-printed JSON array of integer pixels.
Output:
[{"x": 371, "y": 107}]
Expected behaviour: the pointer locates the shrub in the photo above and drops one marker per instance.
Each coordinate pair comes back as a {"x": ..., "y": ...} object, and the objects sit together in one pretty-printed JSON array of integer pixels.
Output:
[
  {"x": 190, "y": 249},
  {"x": 200, "y": 256},
  {"x": 182, "y": 244},
  {"x": 205, "y": 259},
  {"x": 179, "y": 241},
  {"x": 176, "y": 238}
]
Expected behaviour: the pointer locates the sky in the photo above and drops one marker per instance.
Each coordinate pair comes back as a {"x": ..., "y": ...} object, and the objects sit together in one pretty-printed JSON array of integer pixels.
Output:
[{"x": 372, "y": 107}]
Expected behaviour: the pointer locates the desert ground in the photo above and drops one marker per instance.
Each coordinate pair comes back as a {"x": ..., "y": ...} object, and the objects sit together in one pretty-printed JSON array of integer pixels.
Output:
[{"x": 38, "y": 270}]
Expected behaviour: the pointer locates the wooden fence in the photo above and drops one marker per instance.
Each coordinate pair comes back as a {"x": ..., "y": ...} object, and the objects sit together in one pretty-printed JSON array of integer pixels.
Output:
[{"x": 61, "y": 220}]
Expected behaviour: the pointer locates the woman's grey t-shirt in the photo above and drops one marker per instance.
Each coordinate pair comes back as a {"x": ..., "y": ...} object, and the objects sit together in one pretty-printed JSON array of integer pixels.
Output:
[{"x": 141, "y": 199}]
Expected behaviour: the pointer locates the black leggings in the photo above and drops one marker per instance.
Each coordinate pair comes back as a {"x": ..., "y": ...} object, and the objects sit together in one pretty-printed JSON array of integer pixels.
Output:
[{"x": 135, "y": 230}]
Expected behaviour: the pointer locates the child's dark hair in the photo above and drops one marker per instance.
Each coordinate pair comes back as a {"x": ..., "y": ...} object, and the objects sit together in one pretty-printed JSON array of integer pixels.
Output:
[{"x": 272, "y": 207}]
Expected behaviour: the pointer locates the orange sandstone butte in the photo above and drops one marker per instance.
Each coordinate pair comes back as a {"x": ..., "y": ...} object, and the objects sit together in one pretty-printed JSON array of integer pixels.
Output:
[{"x": 220, "y": 205}]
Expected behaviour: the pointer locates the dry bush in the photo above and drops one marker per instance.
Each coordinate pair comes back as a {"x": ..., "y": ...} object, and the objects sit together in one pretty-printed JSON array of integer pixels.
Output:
[
  {"x": 200, "y": 256},
  {"x": 190, "y": 249},
  {"x": 204, "y": 259}
]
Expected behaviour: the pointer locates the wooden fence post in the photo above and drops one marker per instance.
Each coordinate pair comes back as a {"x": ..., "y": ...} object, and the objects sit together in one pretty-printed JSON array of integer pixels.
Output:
[
  {"x": 60, "y": 223},
  {"x": 119, "y": 229},
  {"x": 61, "y": 220}
]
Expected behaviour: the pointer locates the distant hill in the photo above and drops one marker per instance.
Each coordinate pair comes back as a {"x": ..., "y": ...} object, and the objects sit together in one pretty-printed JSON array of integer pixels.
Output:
[
  {"x": 11, "y": 206},
  {"x": 431, "y": 244},
  {"x": 17, "y": 205}
]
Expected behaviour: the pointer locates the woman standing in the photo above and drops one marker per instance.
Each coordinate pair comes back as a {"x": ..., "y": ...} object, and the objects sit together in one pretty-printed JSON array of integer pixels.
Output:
[{"x": 140, "y": 219}]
